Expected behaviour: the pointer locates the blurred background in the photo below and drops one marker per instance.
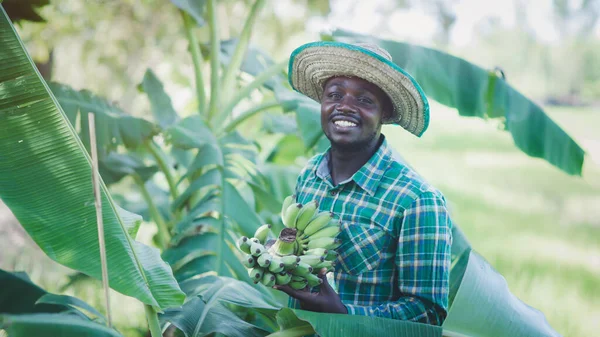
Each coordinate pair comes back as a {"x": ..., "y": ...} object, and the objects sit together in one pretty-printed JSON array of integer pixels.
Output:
[{"x": 538, "y": 226}]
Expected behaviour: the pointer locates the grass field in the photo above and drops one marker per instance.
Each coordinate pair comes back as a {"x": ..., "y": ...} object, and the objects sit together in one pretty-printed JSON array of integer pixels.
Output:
[{"x": 539, "y": 227}]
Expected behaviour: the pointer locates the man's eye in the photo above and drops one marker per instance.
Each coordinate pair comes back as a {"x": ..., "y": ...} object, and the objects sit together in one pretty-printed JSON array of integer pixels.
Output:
[
  {"x": 334, "y": 95},
  {"x": 365, "y": 100}
]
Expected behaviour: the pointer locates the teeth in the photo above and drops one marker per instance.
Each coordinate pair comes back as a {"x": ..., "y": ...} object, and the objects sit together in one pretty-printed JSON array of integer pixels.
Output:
[{"x": 344, "y": 123}]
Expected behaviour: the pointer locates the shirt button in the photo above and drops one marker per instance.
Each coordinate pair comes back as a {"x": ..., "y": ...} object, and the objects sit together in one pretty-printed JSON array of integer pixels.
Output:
[{"x": 333, "y": 192}]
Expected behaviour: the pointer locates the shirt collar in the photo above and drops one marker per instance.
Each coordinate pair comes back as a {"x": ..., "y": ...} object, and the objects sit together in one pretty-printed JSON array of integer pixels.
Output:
[{"x": 368, "y": 176}]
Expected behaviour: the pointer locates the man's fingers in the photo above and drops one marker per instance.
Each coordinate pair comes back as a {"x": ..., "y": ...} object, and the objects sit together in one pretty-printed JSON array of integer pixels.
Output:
[
  {"x": 325, "y": 287},
  {"x": 301, "y": 295}
]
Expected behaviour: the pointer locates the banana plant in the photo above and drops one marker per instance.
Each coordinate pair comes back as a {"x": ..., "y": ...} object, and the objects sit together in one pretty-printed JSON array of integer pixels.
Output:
[
  {"x": 477, "y": 92},
  {"x": 210, "y": 195},
  {"x": 45, "y": 179},
  {"x": 35, "y": 120}
]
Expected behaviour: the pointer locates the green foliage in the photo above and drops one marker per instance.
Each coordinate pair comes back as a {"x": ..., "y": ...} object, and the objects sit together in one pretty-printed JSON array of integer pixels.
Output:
[
  {"x": 18, "y": 295},
  {"x": 39, "y": 145},
  {"x": 53, "y": 325},
  {"x": 498, "y": 312},
  {"x": 300, "y": 323},
  {"x": 208, "y": 308},
  {"x": 480, "y": 93},
  {"x": 113, "y": 126},
  {"x": 28, "y": 310},
  {"x": 216, "y": 187}
]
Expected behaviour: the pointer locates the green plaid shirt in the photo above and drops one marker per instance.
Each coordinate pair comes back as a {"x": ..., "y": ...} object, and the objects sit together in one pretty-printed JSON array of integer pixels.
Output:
[{"x": 396, "y": 235}]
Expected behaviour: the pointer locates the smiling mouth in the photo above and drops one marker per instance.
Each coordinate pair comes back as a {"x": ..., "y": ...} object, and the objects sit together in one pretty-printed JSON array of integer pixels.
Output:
[{"x": 344, "y": 124}]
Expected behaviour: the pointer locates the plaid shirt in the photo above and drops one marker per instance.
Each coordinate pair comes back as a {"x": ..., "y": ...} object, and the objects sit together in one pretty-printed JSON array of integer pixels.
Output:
[{"x": 396, "y": 235}]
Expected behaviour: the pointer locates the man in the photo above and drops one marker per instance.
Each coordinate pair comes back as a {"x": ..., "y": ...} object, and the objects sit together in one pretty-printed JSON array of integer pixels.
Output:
[{"x": 394, "y": 260}]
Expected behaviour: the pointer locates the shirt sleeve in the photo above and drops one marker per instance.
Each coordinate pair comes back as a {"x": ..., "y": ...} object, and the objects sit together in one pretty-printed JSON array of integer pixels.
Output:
[{"x": 423, "y": 260}]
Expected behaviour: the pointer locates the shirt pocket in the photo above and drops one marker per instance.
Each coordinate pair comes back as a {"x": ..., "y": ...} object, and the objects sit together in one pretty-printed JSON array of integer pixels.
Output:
[{"x": 362, "y": 248}]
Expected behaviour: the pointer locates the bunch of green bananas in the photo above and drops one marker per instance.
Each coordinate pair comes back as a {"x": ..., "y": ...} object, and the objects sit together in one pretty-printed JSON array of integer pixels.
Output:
[{"x": 302, "y": 249}]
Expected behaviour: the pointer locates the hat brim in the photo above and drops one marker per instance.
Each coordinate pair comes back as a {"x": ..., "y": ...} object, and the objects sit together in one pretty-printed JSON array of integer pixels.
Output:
[{"x": 312, "y": 64}]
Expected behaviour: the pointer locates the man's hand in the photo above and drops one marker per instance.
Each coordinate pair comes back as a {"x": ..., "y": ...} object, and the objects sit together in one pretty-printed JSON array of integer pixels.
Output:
[{"x": 326, "y": 300}]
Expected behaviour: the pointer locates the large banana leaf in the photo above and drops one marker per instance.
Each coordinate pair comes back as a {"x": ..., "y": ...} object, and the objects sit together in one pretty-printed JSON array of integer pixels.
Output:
[
  {"x": 477, "y": 92},
  {"x": 45, "y": 179},
  {"x": 293, "y": 322},
  {"x": 483, "y": 306},
  {"x": 51, "y": 325}
]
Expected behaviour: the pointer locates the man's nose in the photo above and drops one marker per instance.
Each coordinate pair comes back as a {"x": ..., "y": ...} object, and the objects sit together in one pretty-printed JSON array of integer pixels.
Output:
[{"x": 346, "y": 105}]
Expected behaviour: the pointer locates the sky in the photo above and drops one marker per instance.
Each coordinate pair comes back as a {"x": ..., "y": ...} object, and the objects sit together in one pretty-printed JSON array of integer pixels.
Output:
[{"x": 417, "y": 24}]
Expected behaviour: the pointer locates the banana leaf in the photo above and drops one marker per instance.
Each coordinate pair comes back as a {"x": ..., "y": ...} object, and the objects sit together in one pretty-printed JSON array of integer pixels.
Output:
[
  {"x": 483, "y": 306},
  {"x": 113, "y": 126},
  {"x": 52, "y": 325},
  {"x": 294, "y": 322},
  {"x": 218, "y": 164},
  {"x": 45, "y": 180},
  {"x": 477, "y": 92},
  {"x": 73, "y": 303},
  {"x": 162, "y": 108},
  {"x": 18, "y": 295},
  {"x": 115, "y": 166}
]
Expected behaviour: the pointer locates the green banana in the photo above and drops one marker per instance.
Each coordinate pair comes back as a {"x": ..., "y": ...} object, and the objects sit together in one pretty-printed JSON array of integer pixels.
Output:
[
  {"x": 276, "y": 265},
  {"x": 248, "y": 261},
  {"x": 298, "y": 278},
  {"x": 290, "y": 260},
  {"x": 268, "y": 279},
  {"x": 326, "y": 242},
  {"x": 256, "y": 249},
  {"x": 317, "y": 252},
  {"x": 244, "y": 244},
  {"x": 289, "y": 218},
  {"x": 332, "y": 255},
  {"x": 256, "y": 273},
  {"x": 321, "y": 220},
  {"x": 298, "y": 285},
  {"x": 262, "y": 232},
  {"x": 283, "y": 279},
  {"x": 306, "y": 214},
  {"x": 264, "y": 260},
  {"x": 312, "y": 260},
  {"x": 313, "y": 280},
  {"x": 329, "y": 231},
  {"x": 302, "y": 269},
  {"x": 325, "y": 264},
  {"x": 286, "y": 203},
  {"x": 253, "y": 239}
]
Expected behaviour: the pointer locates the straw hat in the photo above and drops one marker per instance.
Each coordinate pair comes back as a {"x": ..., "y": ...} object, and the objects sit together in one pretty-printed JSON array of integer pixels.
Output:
[{"x": 312, "y": 64}]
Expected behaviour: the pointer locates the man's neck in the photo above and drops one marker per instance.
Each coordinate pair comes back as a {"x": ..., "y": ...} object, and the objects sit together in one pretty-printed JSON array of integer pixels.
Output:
[{"x": 343, "y": 163}]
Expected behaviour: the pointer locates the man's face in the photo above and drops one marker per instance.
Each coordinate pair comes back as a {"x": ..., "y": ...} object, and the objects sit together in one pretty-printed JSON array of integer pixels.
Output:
[{"x": 351, "y": 112}]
